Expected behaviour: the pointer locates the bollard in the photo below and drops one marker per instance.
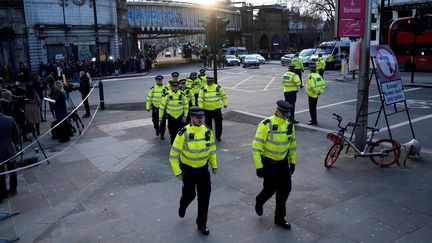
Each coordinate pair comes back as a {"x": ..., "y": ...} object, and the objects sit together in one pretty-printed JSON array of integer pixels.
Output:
[{"x": 101, "y": 95}]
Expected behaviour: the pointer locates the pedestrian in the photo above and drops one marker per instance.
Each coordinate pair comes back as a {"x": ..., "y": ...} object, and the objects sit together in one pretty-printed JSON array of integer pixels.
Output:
[
  {"x": 274, "y": 153},
  {"x": 194, "y": 83},
  {"x": 32, "y": 110},
  {"x": 298, "y": 67},
  {"x": 320, "y": 65},
  {"x": 84, "y": 89},
  {"x": 193, "y": 149},
  {"x": 211, "y": 98},
  {"x": 203, "y": 76},
  {"x": 291, "y": 83},
  {"x": 61, "y": 112},
  {"x": 190, "y": 98},
  {"x": 154, "y": 97},
  {"x": 174, "y": 77},
  {"x": 174, "y": 105},
  {"x": 9, "y": 139},
  {"x": 315, "y": 86}
]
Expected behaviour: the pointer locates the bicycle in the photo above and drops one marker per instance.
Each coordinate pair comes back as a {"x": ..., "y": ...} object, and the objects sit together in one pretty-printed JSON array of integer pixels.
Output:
[{"x": 384, "y": 152}]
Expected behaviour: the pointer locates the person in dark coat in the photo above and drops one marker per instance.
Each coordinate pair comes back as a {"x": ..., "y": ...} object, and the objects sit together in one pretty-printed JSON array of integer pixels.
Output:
[
  {"x": 61, "y": 111},
  {"x": 9, "y": 137},
  {"x": 84, "y": 89}
]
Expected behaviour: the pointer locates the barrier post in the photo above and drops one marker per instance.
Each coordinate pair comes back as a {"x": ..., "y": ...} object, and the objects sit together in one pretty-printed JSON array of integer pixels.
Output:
[{"x": 101, "y": 95}]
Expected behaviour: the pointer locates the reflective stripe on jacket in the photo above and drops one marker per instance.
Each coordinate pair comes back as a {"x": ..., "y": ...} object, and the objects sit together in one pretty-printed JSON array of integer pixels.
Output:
[
  {"x": 174, "y": 104},
  {"x": 193, "y": 146},
  {"x": 298, "y": 63},
  {"x": 315, "y": 85},
  {"x": 290, "y": 81},
  {"x": 211, "y": 97},
  {"x": 194, "y": 85},
  {"x": 275, "y": 138},
  {"x": 155, "y": 96},
  {"x": 320, "y": 65}
]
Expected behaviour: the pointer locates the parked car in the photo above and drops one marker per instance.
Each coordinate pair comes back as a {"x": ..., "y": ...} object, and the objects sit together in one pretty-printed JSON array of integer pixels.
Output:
[
  {"x": 336, "y": 48},
  {"x": 286, "y": 59},
  {"x": 261, "y": 59},
  {"x": 305, "y": 55},
  {"x": 167, "y": 54},
  {"x": 251, "y": 61},
  {"x": 231, "y": 60}
]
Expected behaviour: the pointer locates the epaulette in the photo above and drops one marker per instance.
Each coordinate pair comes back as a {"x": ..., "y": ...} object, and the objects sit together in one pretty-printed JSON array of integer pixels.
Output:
[
  {"x": 181, "y": 131},
  {"x": 266, "y": 121}
]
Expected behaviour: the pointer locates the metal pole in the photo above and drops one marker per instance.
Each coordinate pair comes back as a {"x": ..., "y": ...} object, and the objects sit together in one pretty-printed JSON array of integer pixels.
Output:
[
  {"x": 101, "y": 95},
  {"x": 215, "y": 49},
  {"x": 363, "y": 87},
  {"x": 96, "y": 29},
  {"x": 381, "y": 25},
  {"x": 64, "y": 27},
  {"x": 414, "y": 45}
]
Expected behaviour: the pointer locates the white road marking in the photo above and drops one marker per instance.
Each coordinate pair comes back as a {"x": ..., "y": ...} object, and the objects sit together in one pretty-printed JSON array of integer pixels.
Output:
[
  {"x": 347, "y": 101},
  {"x": 406, "y": 122},
  {"x": 268, "y": 85},
  {"x": 244, "y": 80}
]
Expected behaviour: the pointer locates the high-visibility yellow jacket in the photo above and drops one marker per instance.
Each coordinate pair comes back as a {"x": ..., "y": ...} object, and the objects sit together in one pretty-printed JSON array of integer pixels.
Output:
[
  {"x": 320, "y": 65},
  {"x": 330, "y": 58},
  {"x": 194, "y": 146},
  {"x": 189, "y": 96},
  {"x": 155, "y": 96},
  {"x": 203, "y": 80},
  {"x": 290, "y": 81},
  {"x": 298, "y": 63},
  {"x": 315, "y": 85},
  {"x": 275, "y": 138},
  {"x": 174, "y": 104},
  {"x": 211, "y": 97},
  {"x": 194, "y": 84}
]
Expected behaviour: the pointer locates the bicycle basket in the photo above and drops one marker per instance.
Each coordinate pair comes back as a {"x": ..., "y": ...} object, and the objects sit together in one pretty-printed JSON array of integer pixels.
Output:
[{"x": 334, "y": 137}]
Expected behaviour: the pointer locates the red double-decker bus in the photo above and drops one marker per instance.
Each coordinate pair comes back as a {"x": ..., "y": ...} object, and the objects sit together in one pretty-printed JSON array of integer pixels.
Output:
[{"x": 401, "y": 37}]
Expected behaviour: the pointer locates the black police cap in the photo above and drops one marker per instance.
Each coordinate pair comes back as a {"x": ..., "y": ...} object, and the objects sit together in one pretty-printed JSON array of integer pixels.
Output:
[
  {"x": 202, "y": 71},
  {"x": 210, "y": 79},
  {"x": 182, "y": 81},
  {"x": 285, "y": 108},
  {"x": 175, "y": 74},
  {"x": 193, "y": 74},
  {"x": 159, "y": 77},
  {"x": 196, "y": 111}
]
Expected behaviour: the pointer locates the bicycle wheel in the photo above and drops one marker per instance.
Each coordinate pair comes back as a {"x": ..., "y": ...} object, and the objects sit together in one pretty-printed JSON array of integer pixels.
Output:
[
  {"x": 332, "y": 155},
  {"x": 389, "y": 148}
]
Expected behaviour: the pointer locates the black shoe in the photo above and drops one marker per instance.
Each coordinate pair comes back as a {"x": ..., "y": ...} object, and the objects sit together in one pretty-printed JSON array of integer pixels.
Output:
[
  {"x": 312, "y": 123},
  {"x": 259, "y": 209},
  {"x": 12, "y": 193},
  {"x": 157, "y": 133},
  {"x": 218, "y": 139},
  {"x": 181, "y": 212},
  {"x": 283, "y": 224},
  {"x": 85, "y": 115},
  {"x": 204, "y": 230},
  {"x": 162, "y": 137},
  {"x": 294, "y": 121}
]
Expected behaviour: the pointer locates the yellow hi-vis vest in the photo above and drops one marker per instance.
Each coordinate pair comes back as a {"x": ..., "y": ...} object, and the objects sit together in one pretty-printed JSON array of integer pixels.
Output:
[
  {"x": 194, "y": 146},
  {"x": 298, "y": 63},
  {"x": 315, "y": 85},
  {"x": 320, "y": 65},
  {"x": 189, "y": 96},
  {"x": 203, "y": 80},
  {"x": 275, "y": 139},
  {"x": 155, "y": 96},
  {"x": 194, "y": 85},
  {"x": 211, "y": 97},
  {"x": 174, "y": 104},
  {"x": 290, "y": 81}
]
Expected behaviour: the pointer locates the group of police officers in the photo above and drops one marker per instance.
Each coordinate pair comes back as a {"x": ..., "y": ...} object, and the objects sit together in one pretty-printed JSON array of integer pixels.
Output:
[{"x": 193, "y": 142}]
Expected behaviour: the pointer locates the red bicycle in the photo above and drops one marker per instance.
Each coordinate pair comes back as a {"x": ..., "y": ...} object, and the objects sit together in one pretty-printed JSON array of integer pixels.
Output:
[{"x": 383, "y": 152}]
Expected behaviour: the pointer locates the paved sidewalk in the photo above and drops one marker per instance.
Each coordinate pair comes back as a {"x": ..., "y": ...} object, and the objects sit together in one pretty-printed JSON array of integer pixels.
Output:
[{"x": 115, "y": 184}]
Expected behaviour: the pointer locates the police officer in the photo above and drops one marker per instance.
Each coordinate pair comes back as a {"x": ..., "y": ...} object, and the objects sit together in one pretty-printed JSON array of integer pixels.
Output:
[
  {"x": 194, "y": 84},
  {"x": 291, "y": 83},
  {"x": 190, "y": 98},
  {"x": 194, "y": 147},
  {"x": 203, "y": 76},
  {"x": 314, "y": 87},
  {"x": 320, "y": 65},
  {"x": 298, "y": 67},
  {"x": 174, "y": 77},
  {"x": 176, "y": 108},
  {"x": 154, "y": 98},
  {"x": 274, "y": 153},
  {"x": 210, "y": 99}
]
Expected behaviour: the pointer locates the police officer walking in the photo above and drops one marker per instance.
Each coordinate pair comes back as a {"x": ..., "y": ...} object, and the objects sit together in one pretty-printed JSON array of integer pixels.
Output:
[
  {"x": 210, "y": 99},
  {"x": 314, "y": 87},
  {"x": 176, "y": 108},
  {"x": 154, "y": 97},
  {"x": 194, "y": 84},
  {"x": 291, "y": 83},
  {"x": 274, "y": 153},
  {"x": 320, "y": 65},
  {"x": 203, "y": 76},
  {"x": 193, "y": 149},
  {"x": 298, "y": 67}
]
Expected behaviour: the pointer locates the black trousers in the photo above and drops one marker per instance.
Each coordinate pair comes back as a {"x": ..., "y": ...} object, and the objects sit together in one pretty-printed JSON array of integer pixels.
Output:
[
  {"x": 321, "y": 72},
  {"x": 10, "y": 165},
  {"x": 215, "y": 115},
  {"x": 86, "y": 103},
  {"x": 299, "y": 73},
  {"x": 291, "y": 97},
  {"x": 313, "y": 108},
  {"x": 160, "y": 128},
  {"x": 277, "y": 179},
  {"x": 174, "y": 125},
  {"x": 196, "y": 100},
  {"x": 196, "y": 181}
]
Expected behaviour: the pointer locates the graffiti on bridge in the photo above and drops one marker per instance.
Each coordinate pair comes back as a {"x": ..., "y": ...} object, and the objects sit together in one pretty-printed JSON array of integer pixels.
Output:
[{"x": 152, "y": 16}]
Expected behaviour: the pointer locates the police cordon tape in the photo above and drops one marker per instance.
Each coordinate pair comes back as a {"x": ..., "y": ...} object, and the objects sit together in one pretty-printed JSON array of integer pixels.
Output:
[
  {"x": 47, "y": 132},
  {"x": 57, "y": 154}
]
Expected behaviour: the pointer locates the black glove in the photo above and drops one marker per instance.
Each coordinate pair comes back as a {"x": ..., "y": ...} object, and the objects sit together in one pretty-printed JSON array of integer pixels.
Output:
[
  {"x": 260, "y": 172},
  {"x": 292, "y": 168}
]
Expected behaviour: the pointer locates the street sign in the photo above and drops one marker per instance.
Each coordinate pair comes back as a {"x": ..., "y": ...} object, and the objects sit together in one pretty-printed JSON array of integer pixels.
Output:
[
  {"x": 393, "y": 91},
  {"x": 386, "y": 63},
  {"x": 352, "y": 9},
  {"x": 351, "y": 28}
]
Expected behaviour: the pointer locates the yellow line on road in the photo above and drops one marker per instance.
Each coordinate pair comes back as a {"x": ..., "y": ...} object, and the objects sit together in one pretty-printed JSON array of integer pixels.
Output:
[{"x": 268, "y": 85}]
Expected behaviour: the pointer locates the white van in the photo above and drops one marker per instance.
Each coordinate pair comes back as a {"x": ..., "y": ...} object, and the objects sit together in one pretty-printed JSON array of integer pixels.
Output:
[{"x": 331, "y": 47}]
